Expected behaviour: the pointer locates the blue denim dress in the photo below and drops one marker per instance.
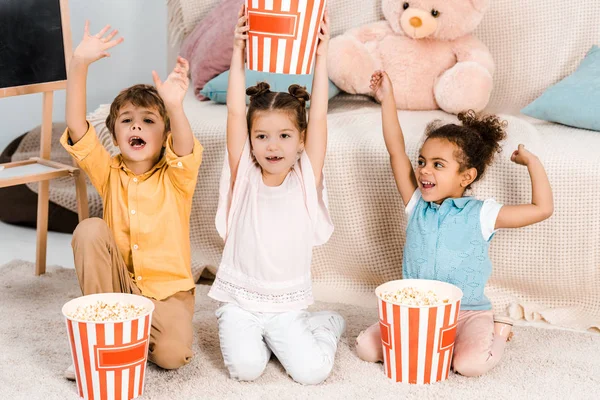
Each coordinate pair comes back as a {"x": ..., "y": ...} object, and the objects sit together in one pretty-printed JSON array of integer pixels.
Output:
[{"x": 444, "y": 242}]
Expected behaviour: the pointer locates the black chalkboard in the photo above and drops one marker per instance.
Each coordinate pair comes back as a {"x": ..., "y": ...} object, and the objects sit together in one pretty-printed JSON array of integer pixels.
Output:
[{"x": 31, "y": 42}]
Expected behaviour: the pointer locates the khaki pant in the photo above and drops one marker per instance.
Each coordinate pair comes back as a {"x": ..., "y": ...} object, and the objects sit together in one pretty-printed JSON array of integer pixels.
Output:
[{"x": 101, "y": 269}]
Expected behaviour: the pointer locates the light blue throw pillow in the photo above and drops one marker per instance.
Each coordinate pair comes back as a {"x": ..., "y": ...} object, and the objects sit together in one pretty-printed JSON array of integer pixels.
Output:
[
  {"x": 216, "y": 88},
  {"x": 574, "y": 101}
]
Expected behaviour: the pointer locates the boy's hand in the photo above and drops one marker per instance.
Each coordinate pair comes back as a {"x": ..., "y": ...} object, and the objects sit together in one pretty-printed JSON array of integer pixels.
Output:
[
  {"x": 381, "y": 85},
  {"x": 94, "y": 47},
  {"x": 323, "y": 35},
  {"x": 522, "y": 156},
  {"x": 241, "y": 29},
  {"x": 173, "y": 90}
]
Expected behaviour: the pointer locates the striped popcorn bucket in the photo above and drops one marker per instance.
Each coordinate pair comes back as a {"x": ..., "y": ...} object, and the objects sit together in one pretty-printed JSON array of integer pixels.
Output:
[
  {"x": 418, "y": 341},
  {"x": 109, "y": 357},
  {"x": 283, "y": 35}
]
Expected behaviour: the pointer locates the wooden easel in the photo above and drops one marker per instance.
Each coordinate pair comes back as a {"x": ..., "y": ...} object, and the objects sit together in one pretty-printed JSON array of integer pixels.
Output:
[{"x": 41, "y": 169}]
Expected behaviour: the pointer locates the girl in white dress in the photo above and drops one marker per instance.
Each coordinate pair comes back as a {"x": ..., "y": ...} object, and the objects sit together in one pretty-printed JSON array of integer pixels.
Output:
[{"x": 272, "y": 211}]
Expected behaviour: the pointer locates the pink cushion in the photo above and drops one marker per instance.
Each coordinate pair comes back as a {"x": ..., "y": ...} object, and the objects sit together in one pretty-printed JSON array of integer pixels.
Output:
[{"x": 209, "y": 46}]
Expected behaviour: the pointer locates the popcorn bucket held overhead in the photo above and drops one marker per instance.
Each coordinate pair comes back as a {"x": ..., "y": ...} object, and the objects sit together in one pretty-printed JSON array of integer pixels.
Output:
[
  {"x": 109, "y": 357},
  {"x": 418, "y": 341},
  {"x": 283, "y": 35}
]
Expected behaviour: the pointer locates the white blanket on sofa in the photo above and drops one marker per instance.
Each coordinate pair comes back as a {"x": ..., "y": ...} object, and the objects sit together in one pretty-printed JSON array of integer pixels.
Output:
[{"x": 549, "y": 270}]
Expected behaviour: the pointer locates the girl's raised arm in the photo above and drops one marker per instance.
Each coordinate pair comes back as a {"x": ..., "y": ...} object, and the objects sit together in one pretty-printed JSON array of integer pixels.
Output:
[
  {"x": 237, "y": 128},
  {"x": 542, "y": 203},
  {"x": 315, "y": 142},
  {"x": 392, "y": 134}
]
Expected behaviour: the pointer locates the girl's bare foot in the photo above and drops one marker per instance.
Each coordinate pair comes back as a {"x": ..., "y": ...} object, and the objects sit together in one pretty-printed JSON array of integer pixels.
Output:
[{"x": 503, "y": 327}]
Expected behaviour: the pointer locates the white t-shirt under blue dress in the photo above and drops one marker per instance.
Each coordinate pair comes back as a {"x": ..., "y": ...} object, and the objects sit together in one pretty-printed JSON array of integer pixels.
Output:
[{"x": 449, "y": 242}]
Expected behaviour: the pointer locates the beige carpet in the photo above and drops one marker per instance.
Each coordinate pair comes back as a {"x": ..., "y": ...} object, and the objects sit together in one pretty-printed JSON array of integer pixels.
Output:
[{"x": 539, "y": 363}]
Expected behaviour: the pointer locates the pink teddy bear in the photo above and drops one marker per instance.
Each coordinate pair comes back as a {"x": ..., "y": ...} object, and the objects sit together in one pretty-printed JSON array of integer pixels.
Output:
[{"x": 426, "y": 48}]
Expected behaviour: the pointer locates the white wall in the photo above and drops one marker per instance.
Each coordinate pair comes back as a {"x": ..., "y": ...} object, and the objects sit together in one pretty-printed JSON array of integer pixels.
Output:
[{"x": 143, "y": 24}]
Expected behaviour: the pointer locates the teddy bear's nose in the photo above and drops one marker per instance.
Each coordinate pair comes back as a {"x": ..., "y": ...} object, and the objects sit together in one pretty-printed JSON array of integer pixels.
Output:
[{"x": 416, "y": 22}]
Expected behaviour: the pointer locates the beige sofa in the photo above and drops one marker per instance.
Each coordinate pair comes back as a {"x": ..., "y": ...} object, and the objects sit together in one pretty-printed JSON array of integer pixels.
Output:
[{"x": 548, "y": 271}]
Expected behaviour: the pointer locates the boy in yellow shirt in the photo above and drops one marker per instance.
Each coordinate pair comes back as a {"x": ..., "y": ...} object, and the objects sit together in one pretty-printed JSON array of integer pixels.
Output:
[{"x": 141, "y": 245}]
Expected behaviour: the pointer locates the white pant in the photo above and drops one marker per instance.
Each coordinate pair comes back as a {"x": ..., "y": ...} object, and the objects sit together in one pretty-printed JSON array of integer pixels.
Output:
[{"x": 305, "y": 348}]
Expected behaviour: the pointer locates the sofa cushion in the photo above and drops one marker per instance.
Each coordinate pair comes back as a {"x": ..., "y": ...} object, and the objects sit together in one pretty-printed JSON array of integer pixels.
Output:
[
  {"x": 574, "y": 101},
  {"x": 216, "y": 88},
  {"x": 184, "y": 15},
  {"x": 209, "y": 46}
]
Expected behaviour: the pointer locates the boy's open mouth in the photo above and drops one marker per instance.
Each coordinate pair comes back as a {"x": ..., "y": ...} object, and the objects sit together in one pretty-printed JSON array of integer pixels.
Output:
[
  {"x": 136, "y": 142},
  {"x": 274, "y": 159}
]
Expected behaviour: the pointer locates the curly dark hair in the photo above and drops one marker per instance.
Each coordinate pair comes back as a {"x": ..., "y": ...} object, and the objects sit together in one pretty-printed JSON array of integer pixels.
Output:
[
  {"x": 293, "y": 102},
  {"x": 477, "y": 138}
]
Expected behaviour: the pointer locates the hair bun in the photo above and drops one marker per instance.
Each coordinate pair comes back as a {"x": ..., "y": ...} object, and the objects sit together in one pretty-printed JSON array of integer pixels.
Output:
[
  {"x": 299, "y": 92},
  {"x": 489, "y": 127},
  {"x": 260, "y": 89}
]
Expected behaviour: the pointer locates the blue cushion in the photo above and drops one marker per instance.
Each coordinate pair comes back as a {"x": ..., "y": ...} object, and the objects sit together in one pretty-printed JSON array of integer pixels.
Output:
[
  {"x": 574, "y": 101},
  {"x": 216, "y": 88}
]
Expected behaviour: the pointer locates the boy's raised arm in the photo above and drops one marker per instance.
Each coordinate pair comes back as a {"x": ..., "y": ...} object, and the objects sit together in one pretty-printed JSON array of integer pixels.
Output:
[
  {"x": 91, "y": 49},
  {"x": 172, "y": 91}
]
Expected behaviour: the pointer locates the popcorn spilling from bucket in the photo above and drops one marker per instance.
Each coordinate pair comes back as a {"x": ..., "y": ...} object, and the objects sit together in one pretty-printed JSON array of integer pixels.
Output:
[
  {"x": 101, "y": 311},
  {"x": 410, "y": 296}
]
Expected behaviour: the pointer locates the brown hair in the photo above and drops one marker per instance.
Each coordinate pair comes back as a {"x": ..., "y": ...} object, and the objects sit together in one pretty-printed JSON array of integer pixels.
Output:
[
  {"x": 140, "y": 96},
  {"x": 292, "y": 102},
  {"x": 477, "y": 138}
]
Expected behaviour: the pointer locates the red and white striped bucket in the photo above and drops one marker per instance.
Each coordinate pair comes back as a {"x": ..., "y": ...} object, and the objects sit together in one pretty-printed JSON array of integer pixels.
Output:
[
  {"x": 109, "y": 357},
  {"x": 418, "y": 341},
  {"x": 283, "y": 35}
]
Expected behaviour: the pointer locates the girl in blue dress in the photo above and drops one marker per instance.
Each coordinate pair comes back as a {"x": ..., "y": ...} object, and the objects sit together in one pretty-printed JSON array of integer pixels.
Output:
[{"x": 448, "y": 234}]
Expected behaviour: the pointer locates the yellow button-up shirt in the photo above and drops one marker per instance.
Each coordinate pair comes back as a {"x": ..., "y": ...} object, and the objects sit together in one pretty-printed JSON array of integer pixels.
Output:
[{"x": 149, "y": 214}]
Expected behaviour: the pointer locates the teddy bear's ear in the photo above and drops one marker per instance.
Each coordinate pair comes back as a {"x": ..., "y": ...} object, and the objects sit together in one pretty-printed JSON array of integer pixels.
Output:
[{"x": 480, "y": 5}]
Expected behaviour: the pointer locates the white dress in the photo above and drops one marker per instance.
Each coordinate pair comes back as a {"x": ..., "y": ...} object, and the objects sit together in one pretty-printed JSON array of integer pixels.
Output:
[{"x": 269, "y": 233}]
